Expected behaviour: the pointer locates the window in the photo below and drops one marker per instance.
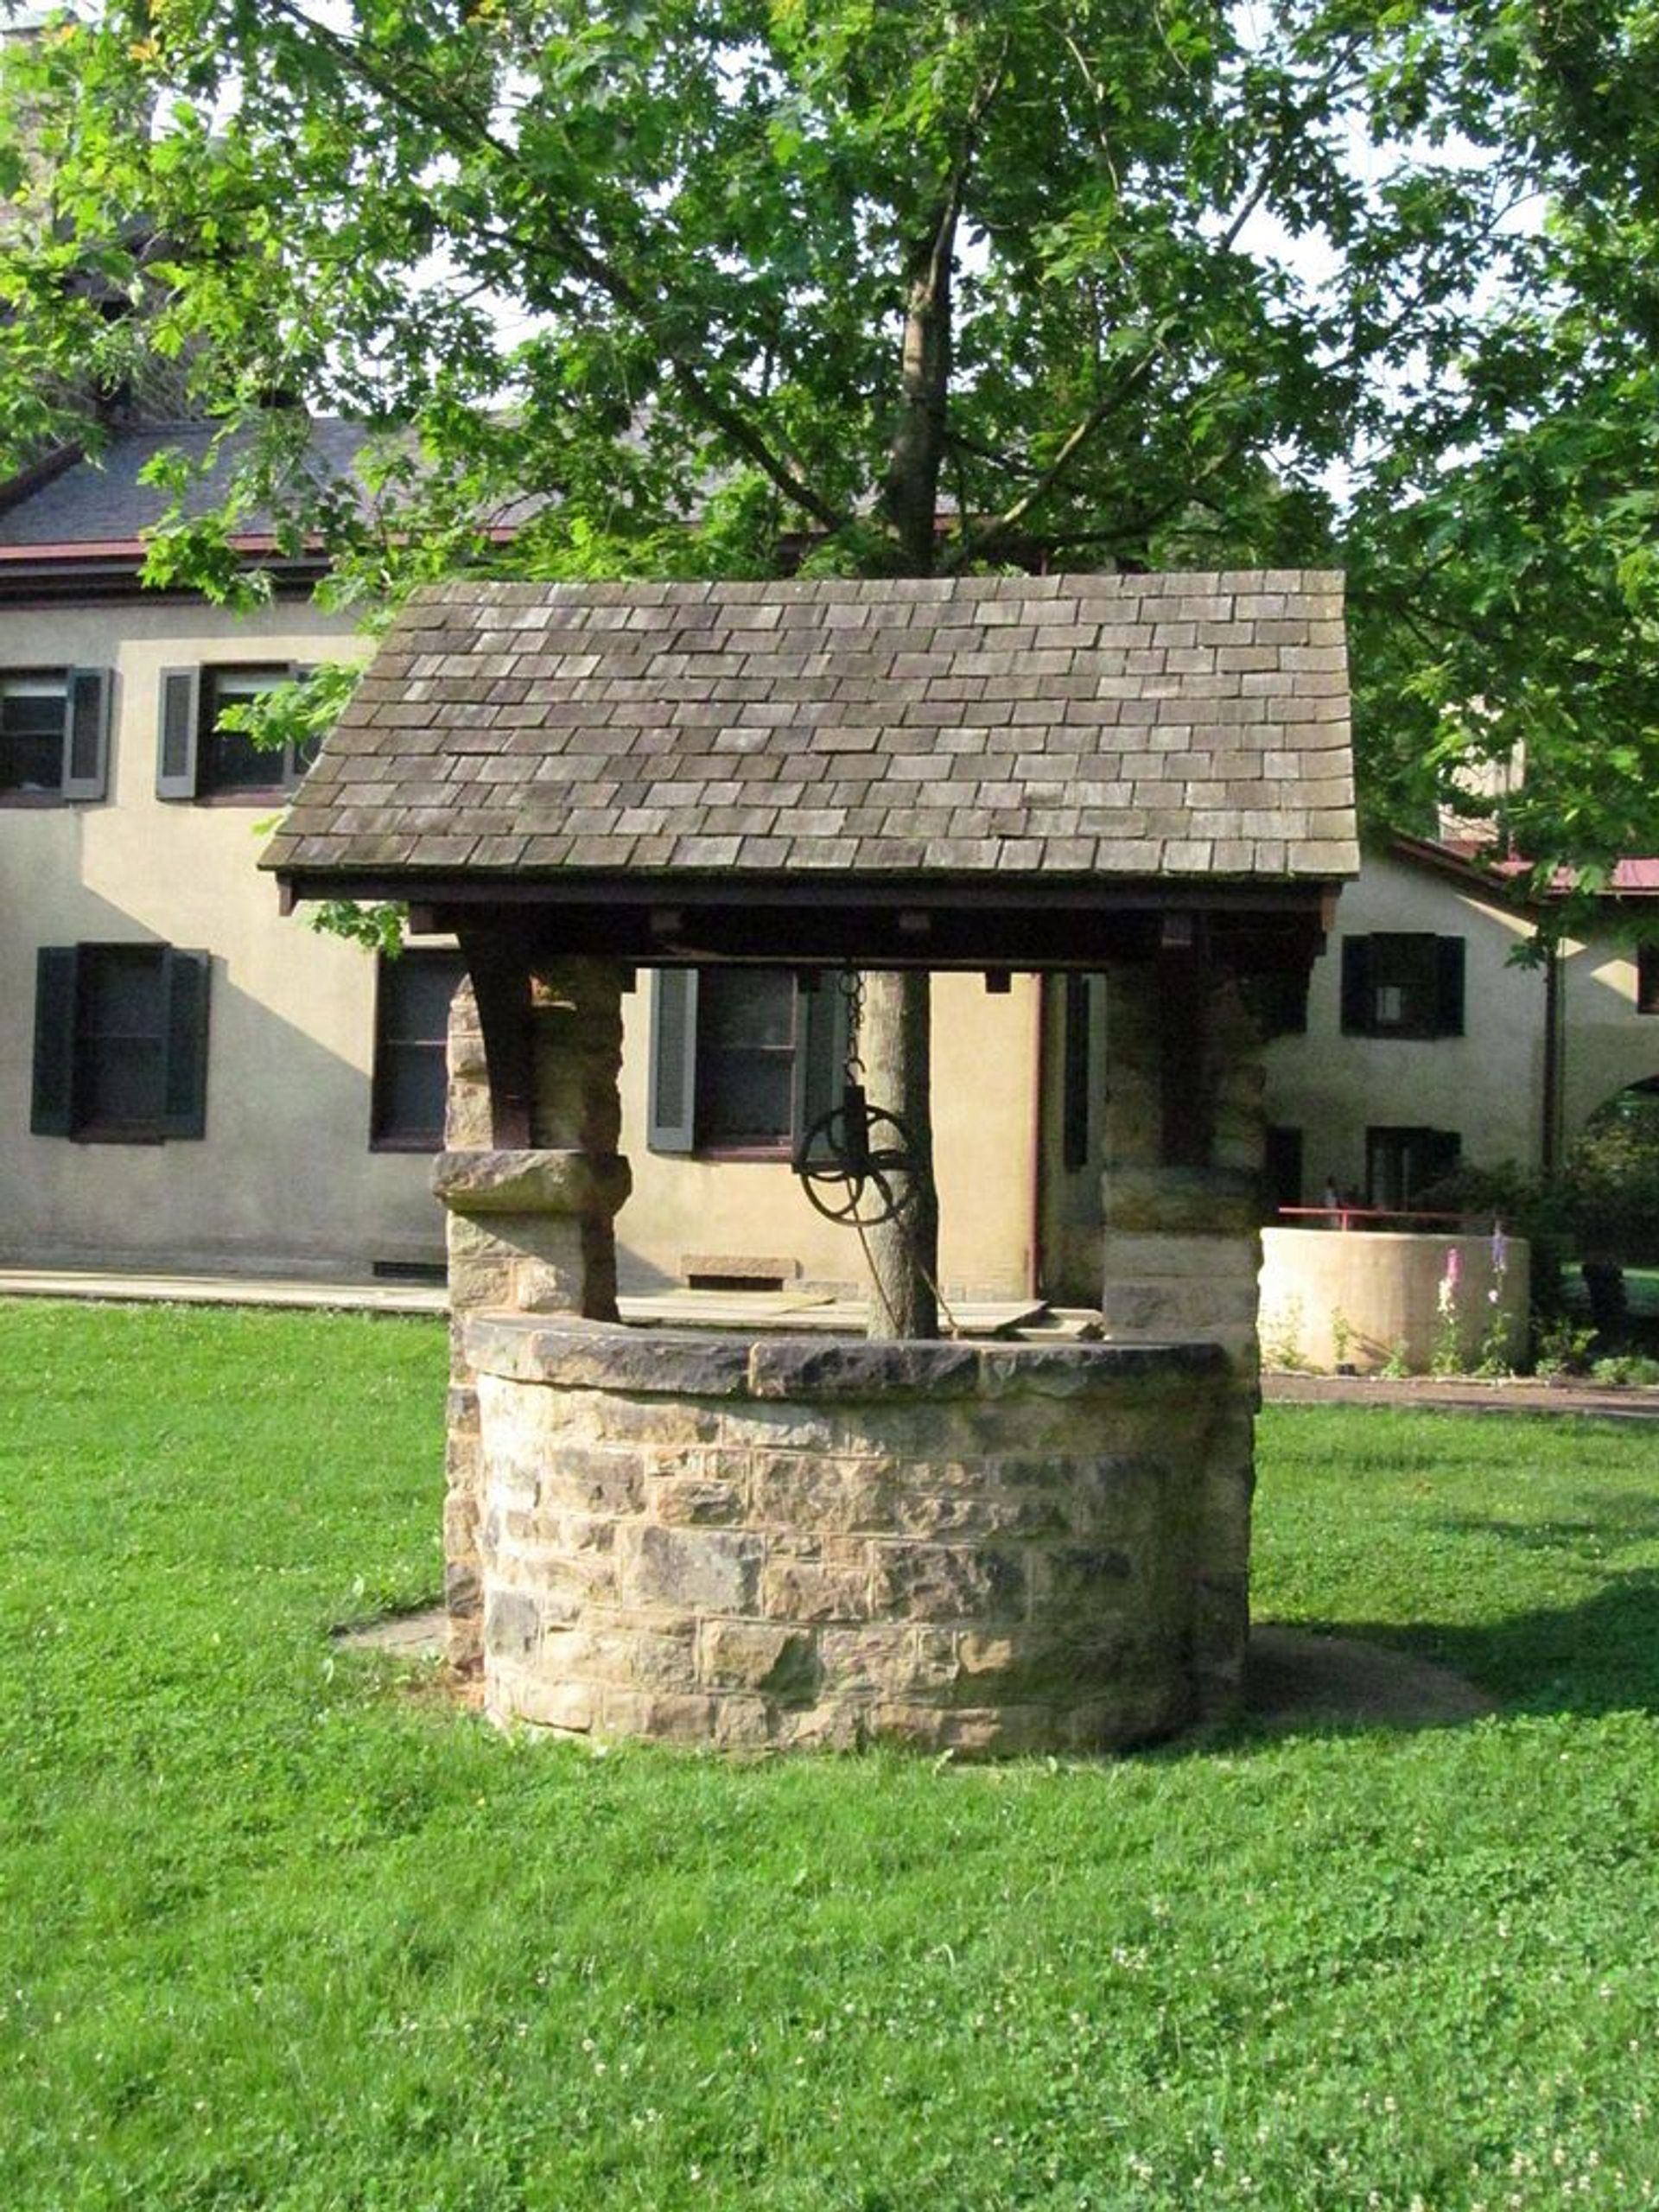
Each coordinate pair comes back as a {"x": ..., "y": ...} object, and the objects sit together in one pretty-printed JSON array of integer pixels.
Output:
[
  {"x": 198, "y": 758},
  {"x": 1647, "y": 978},
  {"x": 1281, "y": 1168},
  {"x": 55, "y": 734},
  {"x": 1404, "y": 984},
  {"x": 1402, "y": 1164},
  {"x": 412, "y": 1032},
  {"x": 743, "y": 1061},
  {"x": 120, "y": 1043}
]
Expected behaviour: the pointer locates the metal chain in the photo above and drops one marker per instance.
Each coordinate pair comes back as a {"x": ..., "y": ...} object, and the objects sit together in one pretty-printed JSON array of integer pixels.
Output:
[{"x": 852, "y": 990}]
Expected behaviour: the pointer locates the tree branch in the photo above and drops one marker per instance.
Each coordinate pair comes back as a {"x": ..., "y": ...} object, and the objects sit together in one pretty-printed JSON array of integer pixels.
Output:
[
  {"x": 910, "y": 490},
  {"x": 466, "y": 129},
  {"x": 981, "y": 543}
]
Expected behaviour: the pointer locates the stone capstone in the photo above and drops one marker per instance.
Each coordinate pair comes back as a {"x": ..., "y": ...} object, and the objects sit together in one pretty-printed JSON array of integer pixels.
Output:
[{"x": 538, "y": 1182}]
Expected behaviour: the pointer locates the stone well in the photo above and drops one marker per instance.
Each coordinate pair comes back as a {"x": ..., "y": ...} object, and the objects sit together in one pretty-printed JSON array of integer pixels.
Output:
[
  {"x": 783, "y": 1541},
  {"x": 1366, "y": 1297},
  {"x": 989, "y": 1548}
]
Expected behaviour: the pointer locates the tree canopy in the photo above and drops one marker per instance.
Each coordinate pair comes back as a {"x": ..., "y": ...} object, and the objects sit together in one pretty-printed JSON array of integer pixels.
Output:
[
  {"x": 1035, "y": 261},
  {"x": 719, "y": 285},
  {"x": 1503, "y": 544}
]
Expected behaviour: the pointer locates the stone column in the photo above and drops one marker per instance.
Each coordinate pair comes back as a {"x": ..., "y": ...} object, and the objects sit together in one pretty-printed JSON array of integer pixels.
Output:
[
  {"x": 1180, "y": 1201},
  {"x": 530, "y": 1229}
]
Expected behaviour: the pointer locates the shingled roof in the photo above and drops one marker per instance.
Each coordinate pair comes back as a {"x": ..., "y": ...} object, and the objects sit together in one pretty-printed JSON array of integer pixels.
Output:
[{"x": 1103, "y": 729}]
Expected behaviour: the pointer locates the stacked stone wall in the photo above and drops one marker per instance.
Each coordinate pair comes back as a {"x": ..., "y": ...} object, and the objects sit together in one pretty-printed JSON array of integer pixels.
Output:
[
  {"x": 1182, "y": 1252},
  {"x": 529, "y": 1231},
  {"x": 988, "y": 1550},
  {"x": 1182, "y": 1246}
]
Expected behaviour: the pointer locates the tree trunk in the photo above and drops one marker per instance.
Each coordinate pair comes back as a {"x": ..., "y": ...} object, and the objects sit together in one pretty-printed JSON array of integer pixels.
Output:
[
  {"x": 895, "y": 1045},
  {"x": 904, "y": 1252}
]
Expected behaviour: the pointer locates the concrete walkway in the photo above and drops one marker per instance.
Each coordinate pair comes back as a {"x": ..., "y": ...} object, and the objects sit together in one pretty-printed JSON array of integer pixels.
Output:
[
  {"x": 796, "y": 1310},
  {"x": 1510, "y": 1394},
  {"x": 133, "y": 1289}
]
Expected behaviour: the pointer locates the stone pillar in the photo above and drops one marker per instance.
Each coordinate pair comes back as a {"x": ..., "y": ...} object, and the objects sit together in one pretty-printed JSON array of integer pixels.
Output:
[
  {"x": 1180, "y": 1201},
  {"x": 530, "y": 1231}
]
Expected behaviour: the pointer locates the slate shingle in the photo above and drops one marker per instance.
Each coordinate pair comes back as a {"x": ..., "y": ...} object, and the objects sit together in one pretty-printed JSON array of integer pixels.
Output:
[{"x": 1192, "y": 725}]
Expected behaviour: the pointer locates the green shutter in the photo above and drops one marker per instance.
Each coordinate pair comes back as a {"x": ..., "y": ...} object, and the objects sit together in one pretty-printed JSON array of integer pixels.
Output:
[
  {"x": 52, "y": 1107},
  {"x": 86, "y": 733},
  {"x": 673, "y": 1059},
  {"x": 184, "y": 1109},
  {"x": 178, "y": 715},
  {"x": 1357, "y": 1011},
  {"x": 1074, "y": 1079},
  {"x": 1448, "y": 996},
  {"x": 821, "y": 1034}
]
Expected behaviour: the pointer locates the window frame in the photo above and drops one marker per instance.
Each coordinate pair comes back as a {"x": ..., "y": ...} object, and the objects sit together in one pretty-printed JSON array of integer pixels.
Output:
[
  {"x": 189, "y": 706},
  {"x": 83, "y": 745},
  {"x": 678, "y": 1117},
  {"x": 64, "y": 1074},
  {"x": 1432, "y": 1006},
  {"x": 719, "y": 1069},
  {"x": 1284, "y": 1167},
  {"x": 1398, "y": 1138},
  {"x": 385, "y": 1132}
]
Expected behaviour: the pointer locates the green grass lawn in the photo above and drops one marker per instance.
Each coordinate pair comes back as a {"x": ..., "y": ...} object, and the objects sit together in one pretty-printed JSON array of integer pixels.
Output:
[{"x": 278, "y": 1930}]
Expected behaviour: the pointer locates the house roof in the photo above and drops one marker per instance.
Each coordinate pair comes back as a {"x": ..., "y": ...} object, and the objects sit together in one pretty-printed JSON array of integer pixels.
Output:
[
  {"x": 1473, "y": 860},
  {"x": 1084, "y": 731},
  {"x": 75, "y": 523},
  {"x": 97, "y": 500}
]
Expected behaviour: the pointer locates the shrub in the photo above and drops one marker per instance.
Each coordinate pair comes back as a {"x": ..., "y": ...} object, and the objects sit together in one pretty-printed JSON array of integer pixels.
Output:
[{"x": 1611, "y": 1182}]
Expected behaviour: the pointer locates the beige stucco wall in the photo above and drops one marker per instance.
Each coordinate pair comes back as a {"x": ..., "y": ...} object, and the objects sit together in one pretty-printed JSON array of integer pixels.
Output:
[
  {"x": 984, "y": 1092},
  {"x": 1608, "y": 1046},
  {"x": 1487, "y": 1085},
  {"x": 285, "y": 1177}
]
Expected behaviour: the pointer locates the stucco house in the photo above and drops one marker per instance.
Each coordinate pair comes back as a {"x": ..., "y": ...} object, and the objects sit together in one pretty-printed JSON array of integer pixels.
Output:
[
  {"x": 1423, "y": 1042},
  {"x": 187, "y": 1080},
  {"x": 190, "y": 1079}
]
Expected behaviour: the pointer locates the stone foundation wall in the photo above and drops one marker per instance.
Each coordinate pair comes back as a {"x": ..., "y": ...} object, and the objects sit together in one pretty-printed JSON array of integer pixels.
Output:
[{"x": 991, "y": 1549}]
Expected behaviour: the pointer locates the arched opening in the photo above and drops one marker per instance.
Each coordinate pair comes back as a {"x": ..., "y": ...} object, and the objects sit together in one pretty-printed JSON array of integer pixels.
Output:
[{"x": 1611, "y": 1179}]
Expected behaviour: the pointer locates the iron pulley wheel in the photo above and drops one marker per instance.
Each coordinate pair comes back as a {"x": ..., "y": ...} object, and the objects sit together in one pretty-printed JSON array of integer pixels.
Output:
[{"x": 856, "y": 1163}]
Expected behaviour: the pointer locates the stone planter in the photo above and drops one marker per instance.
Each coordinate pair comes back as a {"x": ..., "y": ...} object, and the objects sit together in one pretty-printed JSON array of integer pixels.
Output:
[{"x": 775, "y": 1542}]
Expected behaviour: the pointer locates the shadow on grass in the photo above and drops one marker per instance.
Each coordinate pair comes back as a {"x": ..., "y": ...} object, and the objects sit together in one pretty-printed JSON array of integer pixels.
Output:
[
  {"x": 1598, "y": 1658},
  {"x": 1602, "y": 1517}
]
